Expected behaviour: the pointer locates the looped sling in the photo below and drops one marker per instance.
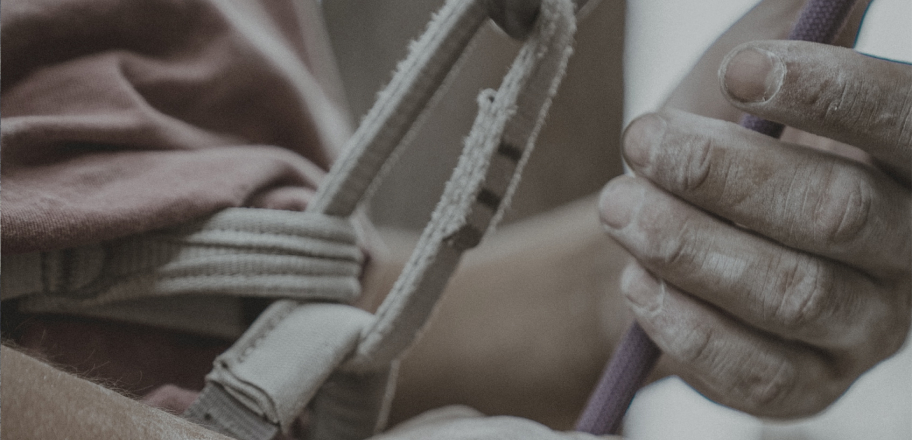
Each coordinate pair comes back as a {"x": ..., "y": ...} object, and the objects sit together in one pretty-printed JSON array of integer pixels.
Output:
[{"x": 340, "y": 360}]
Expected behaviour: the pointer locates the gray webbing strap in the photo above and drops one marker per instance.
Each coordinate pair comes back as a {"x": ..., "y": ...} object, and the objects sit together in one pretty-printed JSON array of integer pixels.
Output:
[
  {"x": 480, "y": 188},
  {"x": 430, "y": 60},
  {"x": 221, "y": 412},
  {"x": 238, "y": 252},
  {"x": 281, "y": 361},
  {"x": 276, "y": 368}
]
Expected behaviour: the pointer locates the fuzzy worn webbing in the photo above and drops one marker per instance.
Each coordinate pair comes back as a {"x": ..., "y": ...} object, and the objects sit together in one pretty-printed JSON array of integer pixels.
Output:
[
  {"x": 431, "y": 59},
  {"x": 479, "y": 190},
  {"x": 820, "y": 22},
  {"x": 341, "y": 358},
  {"x": 168, "y": 277}
]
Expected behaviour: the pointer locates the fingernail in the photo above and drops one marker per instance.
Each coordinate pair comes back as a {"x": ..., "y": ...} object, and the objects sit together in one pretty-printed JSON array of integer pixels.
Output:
[
  {"x": 642, "y": 290},
  {"x": 619, "y": 202},
  {"x": 642, "y": 137},
  {"x": 752, "y": 75}
]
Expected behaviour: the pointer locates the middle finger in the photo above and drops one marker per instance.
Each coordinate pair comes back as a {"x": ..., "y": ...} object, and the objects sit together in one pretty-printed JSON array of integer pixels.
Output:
[
  {"x": 802, "y": 198},
  {"x": 782, "y": 291}
]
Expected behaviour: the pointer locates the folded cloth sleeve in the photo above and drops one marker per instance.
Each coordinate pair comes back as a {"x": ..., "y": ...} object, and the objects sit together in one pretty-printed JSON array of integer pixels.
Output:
[{"x": 120, "y": 117}]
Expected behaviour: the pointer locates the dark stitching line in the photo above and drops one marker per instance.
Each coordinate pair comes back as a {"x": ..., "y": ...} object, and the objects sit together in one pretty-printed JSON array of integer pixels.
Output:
[
  {"x": 45, "y": 280},
  {"x": 66, "y": 269},
  {"x": 488, "y": 198},
  {"x": 509, "y": 151},
  {"x": 467, "y": 237}
]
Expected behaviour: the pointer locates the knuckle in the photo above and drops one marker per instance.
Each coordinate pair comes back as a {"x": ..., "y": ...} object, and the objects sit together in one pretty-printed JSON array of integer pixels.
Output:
[
  {"x": 698, "y": 163},
  {"x": 843, "y": 93},
  {"x": 823, "y": 385},
  {"x": 889, "y": 341},
  {"x": 803, "y": 291},
  {"x": 897, "y": 339},
  {"x": 843, "y": 209},
  {"x": 677, "y": 251},
  {"x": 867, "y": 97},
  {"x": 694, "y": 347},
  {"x": 905, "y": 117},
  {"x": 764, "y": 385},
  {"x": 844, "y": 99},
  {"x": 890, "y": 322}
]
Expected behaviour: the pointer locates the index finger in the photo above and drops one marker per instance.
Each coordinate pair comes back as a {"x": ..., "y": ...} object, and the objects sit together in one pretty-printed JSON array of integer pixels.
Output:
[{"x": 829, "y": 91}]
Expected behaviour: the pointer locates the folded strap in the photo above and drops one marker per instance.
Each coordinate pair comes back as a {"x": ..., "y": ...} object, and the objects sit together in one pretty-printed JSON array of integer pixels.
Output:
[
  {"x": 261, "y": 371},
  {"x": 238, "y": 251}
]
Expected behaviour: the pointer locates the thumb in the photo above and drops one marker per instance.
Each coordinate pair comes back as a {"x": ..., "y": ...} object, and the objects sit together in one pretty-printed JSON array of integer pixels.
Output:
[{"x": 771, "y": 19}]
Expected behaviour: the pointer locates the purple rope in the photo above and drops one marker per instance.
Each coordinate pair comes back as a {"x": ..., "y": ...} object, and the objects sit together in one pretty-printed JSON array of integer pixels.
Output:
[
  {"x": 820, "y": 22},
  {"x": 631, "y": 363}
]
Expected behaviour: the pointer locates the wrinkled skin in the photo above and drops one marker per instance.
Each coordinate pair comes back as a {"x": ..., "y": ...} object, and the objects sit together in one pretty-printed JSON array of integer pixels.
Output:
[{"x": 774, "y": 274}]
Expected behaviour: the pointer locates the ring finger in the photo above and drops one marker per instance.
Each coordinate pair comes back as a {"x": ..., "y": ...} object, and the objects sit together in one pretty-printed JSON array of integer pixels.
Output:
[{"x": 780, "y": 290}]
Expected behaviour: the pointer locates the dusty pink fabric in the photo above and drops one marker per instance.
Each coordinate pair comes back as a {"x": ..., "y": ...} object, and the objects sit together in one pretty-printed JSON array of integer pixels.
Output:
[{"x": 121, "y": 116}]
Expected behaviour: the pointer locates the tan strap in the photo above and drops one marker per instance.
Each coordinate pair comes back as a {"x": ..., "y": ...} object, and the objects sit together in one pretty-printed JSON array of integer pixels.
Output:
[
  {"x": 480, "y": 188},
  {"x": 431, "y": 59},
  {"x": 281, "y": 361},
  {"x": 238, "y": 252},
  {"x": 474, "y": 200}
]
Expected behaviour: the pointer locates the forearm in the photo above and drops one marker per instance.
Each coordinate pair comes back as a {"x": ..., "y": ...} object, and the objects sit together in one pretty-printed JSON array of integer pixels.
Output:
[{"x": 42, "y": 402}]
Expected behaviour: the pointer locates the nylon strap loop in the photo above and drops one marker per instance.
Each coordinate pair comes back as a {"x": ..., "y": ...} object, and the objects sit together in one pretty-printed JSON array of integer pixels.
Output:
[
  {"x": 237, "y": 252},
  {"x": 475, "y": 197}
]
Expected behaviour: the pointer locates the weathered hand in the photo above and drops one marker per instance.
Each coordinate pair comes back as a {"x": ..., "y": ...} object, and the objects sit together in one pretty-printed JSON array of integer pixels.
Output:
[{"x": 772, "y": 274}]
